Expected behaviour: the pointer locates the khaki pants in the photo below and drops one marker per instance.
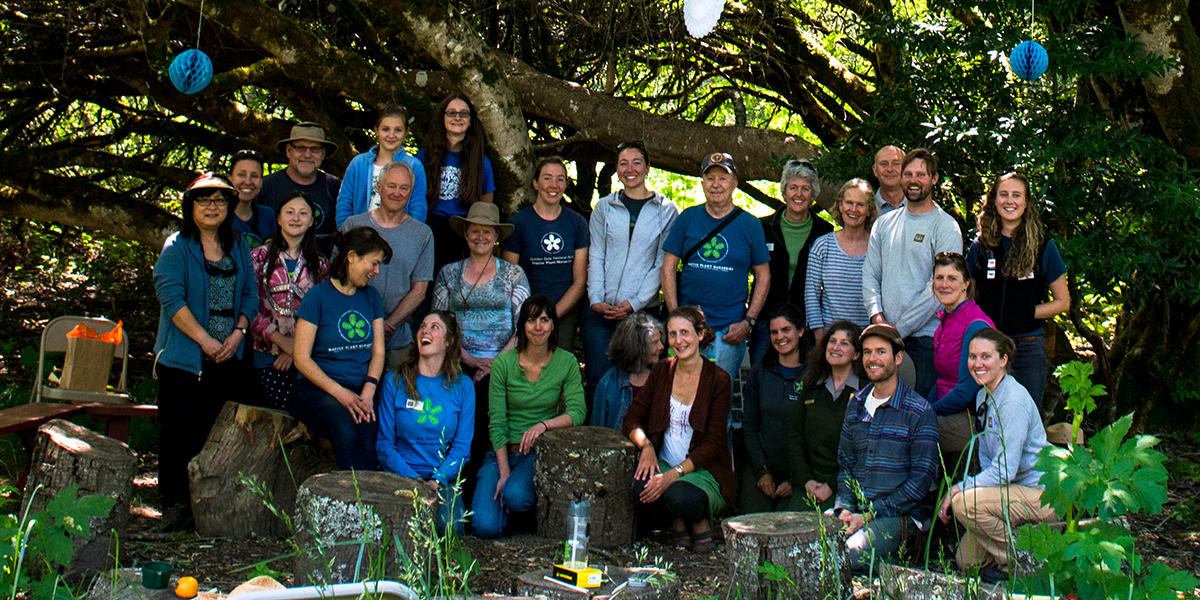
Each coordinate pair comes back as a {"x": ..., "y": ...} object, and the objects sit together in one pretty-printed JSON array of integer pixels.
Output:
[{"x": 981, "y": 511}]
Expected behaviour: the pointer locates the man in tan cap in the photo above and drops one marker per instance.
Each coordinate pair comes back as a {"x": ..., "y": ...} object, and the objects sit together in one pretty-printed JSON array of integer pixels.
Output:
[{"x": 306, "y": 148}]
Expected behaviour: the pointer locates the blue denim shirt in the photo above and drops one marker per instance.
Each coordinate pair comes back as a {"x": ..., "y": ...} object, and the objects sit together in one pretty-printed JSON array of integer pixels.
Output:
[
  {"x": 892, "y": 456},
  {"x": 611, "y": 401},
  {"x": 180, "y": 280}
]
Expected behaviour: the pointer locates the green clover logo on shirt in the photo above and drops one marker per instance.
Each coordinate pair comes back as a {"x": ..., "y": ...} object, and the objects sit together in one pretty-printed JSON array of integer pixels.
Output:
[
  {"x": 429, "y": 415},
  {"x": 353, "y": 326},
  {"x": 714, "y": 249}
]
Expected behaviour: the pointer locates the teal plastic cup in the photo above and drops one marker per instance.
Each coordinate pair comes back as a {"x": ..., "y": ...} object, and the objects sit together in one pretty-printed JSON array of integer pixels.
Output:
[{"x": 156, "y": 574}]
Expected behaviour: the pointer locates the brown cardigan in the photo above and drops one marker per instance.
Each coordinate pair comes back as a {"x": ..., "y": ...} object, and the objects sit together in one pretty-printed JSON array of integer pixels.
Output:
[{"x": 709, "y": 448}]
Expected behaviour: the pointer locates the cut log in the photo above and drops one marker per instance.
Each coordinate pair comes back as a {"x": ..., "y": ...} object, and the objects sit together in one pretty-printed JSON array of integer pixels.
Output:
[
  {"x": 904, "y": 583},
  {"x": 592, "y": 463},
  {"x": 349, "y": 523},
  {"x": 534, "y": 584},
  {"x": 809, "y": 546},
  {"x": 260, "y": 445},
  {"x": 64, "y": 454}
]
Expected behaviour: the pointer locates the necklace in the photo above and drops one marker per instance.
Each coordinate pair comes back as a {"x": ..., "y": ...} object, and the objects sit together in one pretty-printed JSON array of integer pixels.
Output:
[{"x": 478, "y": 278}]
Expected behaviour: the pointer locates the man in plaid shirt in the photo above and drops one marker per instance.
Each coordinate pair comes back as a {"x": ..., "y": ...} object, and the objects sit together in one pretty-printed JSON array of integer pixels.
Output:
[{"x": 887, "y": 455}]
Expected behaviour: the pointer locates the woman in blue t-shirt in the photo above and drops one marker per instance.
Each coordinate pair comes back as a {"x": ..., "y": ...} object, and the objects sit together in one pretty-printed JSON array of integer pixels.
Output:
[
  {"x": 457, "y": 174},
  {"x": 1014, "y": 263},
  {"x": 339, "y": 349},
  {"x": 550, "y": 243},
  {"x": 427, "y": 414},
  {"x": 253, "y": 221}
]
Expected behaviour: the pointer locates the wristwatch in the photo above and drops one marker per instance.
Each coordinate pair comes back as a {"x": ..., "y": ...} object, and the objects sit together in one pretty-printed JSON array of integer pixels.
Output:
[
  {"x": 241, "y": 329},
  {"x": 751, "y": 320},
  {"x": 679, "y": 469}
]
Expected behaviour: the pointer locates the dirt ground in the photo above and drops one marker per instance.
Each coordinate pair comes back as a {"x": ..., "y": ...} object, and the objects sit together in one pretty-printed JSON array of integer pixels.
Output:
[{"x": 1172, "y": 537}]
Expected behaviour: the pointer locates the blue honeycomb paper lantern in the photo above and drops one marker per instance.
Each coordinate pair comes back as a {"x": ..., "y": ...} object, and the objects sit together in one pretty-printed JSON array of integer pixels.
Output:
[
  {"x": 1028, "y": 60},
  {"x": 191, "y": 71}
]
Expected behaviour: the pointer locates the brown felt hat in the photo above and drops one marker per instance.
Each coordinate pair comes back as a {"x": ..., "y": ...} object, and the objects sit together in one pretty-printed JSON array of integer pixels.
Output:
[
  {"x": 309, "y": 132},
  {"x": 481, "y": 213}
]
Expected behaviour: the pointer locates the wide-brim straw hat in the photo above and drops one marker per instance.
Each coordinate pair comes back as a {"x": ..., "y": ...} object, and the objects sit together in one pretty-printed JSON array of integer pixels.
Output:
[
  {"x": 309, "y": 132},
  {"x": 481, "y": 213}
]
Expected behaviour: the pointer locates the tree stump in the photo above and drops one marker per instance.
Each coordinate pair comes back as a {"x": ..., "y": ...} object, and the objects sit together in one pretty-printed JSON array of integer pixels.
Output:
[
  {"x": 64, "y": 454},
  {"x": 808, "y": 546},
  {"x": 534, "y": 584},
  {"x": 592, "y": 463},
  {"x": 340, "y": 513},
  {"x": 265, "y": 446},
  {"x": 904, "y": 583}
]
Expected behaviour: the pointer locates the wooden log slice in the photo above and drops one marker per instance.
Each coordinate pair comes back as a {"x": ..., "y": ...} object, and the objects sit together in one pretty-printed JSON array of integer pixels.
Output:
[
  {"x": 351, "y": 525},
  {"x": 808, "y": 545},
  {"x": 593, "y": 463},
  {"x": 264, "y": 446},
  {"x": 534, "y": 584},
  {"x": 65, "y": 453},
  {"x": 904, "y": 583}
]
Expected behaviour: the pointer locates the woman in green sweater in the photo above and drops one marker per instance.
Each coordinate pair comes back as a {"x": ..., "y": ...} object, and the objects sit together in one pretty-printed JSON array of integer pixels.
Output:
[
  {"x": 530, "y": 385},
  {"x": 833, "y": 375}
]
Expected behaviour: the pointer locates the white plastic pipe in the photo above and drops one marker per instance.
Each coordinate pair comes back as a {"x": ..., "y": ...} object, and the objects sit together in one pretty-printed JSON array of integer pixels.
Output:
[{"x": 375, "y": 589}]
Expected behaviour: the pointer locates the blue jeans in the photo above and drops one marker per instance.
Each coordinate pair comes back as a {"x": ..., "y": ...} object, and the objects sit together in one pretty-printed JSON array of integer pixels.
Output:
[
  {"x": 353, "y": 444},
  {"x": 491, "y": 515},
  {"x": 597, "y": 332},
  {"x": 919, "y": 349},
  {"x": 760, "y": 340},
  {"x": 879, "y": 540},
  {"x": 1029, "y": 366},
  {"x": 450, "y": 509},
  {"x": 726, "y": 356}
]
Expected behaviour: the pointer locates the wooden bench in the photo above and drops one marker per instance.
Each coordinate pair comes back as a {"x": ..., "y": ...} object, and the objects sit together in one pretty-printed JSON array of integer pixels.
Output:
[{"x": 25, "y": 420}]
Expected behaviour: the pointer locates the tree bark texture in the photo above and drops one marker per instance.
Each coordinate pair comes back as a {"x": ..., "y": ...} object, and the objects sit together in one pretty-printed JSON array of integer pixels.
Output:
[
  {"x": 271, "y": 450},
  {"x": 586, "y": 463},
  {"x": 1169, "y": 32},
  {"x": 810, "y": 546},
  {"x": 64, "y": 454},
  {"x": 349, "y": 525}
]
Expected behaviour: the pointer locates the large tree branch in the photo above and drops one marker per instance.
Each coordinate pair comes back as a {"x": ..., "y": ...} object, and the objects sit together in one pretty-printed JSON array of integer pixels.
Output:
[{"x": 50, "y": 198}]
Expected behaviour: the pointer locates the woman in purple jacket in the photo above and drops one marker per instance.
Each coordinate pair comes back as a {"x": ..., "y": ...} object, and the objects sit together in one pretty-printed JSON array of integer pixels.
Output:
[{"x": 959, "y": 320}]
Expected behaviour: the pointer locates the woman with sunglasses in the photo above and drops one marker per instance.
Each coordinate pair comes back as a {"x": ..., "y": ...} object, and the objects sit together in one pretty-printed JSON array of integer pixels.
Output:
[
  {"x": 457, "y": 174},
  {"x": 255, "y": 222},
  {"x": 1014, "y": 264},
  {"x": 205, "y": 285},
  {"x": 958, "y": 321},
  {"x": 790, "y": 232}
]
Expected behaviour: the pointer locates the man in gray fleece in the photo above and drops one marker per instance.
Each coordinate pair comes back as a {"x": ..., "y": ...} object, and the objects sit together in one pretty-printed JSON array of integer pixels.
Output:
[{"x": 899, "y": 264}]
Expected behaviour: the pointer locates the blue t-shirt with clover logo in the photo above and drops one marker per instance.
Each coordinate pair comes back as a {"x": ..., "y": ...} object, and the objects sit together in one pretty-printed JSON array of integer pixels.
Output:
[
  {"x": 342, "y": 348},
  {"x": 427, "y": 437},
  {"x": 716, "y": 276}
]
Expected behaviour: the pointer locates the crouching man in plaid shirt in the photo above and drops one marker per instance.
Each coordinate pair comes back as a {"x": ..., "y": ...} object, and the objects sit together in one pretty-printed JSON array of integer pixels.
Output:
[{"x": 887, "y": 456}]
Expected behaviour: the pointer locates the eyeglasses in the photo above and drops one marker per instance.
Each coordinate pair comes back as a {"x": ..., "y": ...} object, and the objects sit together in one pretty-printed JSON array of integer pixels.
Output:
[
  {"x": 210, "y": 201},
  {"x": 317, "y": 149},
  {"x": 458, "y": 114}
]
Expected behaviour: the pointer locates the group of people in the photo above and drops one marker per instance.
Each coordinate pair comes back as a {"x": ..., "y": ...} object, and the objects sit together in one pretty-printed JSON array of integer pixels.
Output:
[{"x": 453, "y": 383}]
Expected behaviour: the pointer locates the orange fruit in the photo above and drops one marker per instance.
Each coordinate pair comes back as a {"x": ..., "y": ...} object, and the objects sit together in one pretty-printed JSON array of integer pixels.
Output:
[{"x": 187, "y": 587}]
